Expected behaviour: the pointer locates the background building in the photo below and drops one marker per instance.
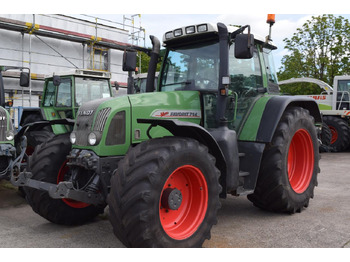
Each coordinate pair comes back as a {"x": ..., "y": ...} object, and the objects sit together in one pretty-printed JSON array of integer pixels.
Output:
[{"x": 56, "y": 43}]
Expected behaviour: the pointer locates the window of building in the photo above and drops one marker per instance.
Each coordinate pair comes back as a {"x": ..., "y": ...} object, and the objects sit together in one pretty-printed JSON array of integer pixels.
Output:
[{"x": 98, "y": 58}]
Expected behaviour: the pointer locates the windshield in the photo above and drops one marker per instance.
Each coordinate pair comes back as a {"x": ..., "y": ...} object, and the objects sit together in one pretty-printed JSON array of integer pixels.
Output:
[
  {"x": 344, "y": 85},
  {"x": 192, "y": 68},
  {"x": 87, "y": 89}
]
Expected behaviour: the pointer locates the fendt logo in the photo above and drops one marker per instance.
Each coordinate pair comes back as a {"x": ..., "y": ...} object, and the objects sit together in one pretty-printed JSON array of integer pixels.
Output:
[
  {"x": 177, "y": 114},
  {"x": 86, "y": 113}
]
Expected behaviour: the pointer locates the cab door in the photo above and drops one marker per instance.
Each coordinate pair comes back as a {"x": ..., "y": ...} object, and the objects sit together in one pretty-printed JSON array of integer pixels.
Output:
[{"x": 246, "y": 86}]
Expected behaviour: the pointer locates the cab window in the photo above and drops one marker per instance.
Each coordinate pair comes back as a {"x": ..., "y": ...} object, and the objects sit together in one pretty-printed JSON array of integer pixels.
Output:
[{"x": 64, "y": 94}]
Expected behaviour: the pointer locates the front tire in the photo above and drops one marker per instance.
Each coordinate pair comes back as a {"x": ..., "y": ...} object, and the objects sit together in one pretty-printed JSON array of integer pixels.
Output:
[
  {"x": 35, "y": 138},
  {"x": 290, "y": 163},
  {"x": 165, "y": 193},
  {"x": 48, "y": 163}
]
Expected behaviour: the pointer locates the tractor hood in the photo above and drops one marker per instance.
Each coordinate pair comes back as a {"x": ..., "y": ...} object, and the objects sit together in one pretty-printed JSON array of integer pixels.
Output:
[{"x": 114, "y": 125}]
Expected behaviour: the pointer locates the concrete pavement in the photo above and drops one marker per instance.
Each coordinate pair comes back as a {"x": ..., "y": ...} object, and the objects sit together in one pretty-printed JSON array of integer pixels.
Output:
[{"x": 325, "y": 223}]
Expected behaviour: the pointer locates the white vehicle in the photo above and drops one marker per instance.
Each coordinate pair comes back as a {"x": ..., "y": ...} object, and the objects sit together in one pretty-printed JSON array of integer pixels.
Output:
[{"x": 334, "y": 104}]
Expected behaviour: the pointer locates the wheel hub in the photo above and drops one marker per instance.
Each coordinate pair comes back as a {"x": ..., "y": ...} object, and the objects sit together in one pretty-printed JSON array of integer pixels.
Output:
[{"x": 171, "y": 198}]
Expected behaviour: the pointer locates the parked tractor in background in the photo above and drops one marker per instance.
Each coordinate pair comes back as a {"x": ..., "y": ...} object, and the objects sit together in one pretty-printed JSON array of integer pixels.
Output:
[
  {"x": 162, "y": 160},
  {"x": 334, "y": 104},
  {"x": 140, "y": 81},
  {"x": 63, "y": 94},
  {"x": 7, "y": 132}
]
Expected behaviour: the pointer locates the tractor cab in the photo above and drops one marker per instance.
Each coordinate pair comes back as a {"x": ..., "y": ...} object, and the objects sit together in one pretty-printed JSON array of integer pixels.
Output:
[
  {"x": 66, "y": 92},
  {"x": 192, "y": 62},
  {"x": 341, "y": 85}
]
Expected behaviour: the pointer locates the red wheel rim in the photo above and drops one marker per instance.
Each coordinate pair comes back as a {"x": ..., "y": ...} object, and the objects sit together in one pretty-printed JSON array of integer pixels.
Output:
[
  {"x": 300, "y": 161},
  {"x": 334, "y": 134},
  {"x": 182, "y": 223},
  {"x": 70, "y": 202},
  {"x": 29, "y": 150}
]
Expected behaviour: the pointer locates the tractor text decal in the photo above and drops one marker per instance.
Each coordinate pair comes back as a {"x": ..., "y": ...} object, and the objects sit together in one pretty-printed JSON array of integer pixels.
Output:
[
  {"x": 177, "y": 114},
  {"x": 318, "y": 97},
  {"x": 86, "y": 113}
]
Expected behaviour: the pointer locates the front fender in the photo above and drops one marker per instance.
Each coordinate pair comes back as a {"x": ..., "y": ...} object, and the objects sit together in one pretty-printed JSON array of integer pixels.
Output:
[
  {"x": 41, "y": 124},
  {"x": 192, "y": 130}
]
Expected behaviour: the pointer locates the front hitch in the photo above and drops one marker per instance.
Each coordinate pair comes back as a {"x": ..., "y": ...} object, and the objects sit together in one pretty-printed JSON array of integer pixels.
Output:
[{"x": 64, "y": 189}]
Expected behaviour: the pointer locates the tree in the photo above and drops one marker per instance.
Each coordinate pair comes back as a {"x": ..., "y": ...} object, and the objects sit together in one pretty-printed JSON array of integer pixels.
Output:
[
  {"x": 320, "y": 49},
  {"x": 143, "y": 68}
]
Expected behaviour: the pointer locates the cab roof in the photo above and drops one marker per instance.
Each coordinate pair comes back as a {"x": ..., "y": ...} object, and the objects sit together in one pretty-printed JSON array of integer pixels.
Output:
[
  {"x": 203, "y": 30},
  {"x": 82, "y": 72}
]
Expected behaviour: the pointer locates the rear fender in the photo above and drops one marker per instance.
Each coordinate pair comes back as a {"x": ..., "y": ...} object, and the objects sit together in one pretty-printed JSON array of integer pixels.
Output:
[{"x": 274, "y": 110}]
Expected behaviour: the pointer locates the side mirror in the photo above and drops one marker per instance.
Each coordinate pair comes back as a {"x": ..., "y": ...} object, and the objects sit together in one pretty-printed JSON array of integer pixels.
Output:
[
  {"x": 24, "y": 79},
  {"x": 129, "y": 61},
  {"x": 244, "y": 46},
  {"x": 56, "y": 80}
]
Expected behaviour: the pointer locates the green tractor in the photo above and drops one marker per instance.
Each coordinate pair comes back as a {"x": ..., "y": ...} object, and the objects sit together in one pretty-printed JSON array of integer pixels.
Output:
[
  {"x": 7, "y": 131},
  {"x": 63, "y": 94},
  {"x": 161, "y": 161}
]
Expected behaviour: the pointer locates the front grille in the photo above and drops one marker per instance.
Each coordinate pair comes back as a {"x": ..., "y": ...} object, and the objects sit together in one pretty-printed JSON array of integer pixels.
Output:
[
  {"x": 101, "y": 119},
  {"x": 3, "y": 124},
  {"x": 84, "y": 121},
  {"x": 83, "y": 124}
]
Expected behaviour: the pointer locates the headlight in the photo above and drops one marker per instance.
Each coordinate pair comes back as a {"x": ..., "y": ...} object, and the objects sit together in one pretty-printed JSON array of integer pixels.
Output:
[
  {"x": 10, "y": 135},
  {"x": 169, "y": 35},
  {"x": 73, "y": 138},
  {"x": 202, "y": 28},
  {"x": 190, "y": 30},
  {"x": 92, "y": 139},
  {"x": 178, "y": 32}
]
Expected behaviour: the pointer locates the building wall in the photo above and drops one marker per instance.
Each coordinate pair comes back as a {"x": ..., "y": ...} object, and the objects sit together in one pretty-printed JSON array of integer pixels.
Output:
[{"x": 46, "y": 55}]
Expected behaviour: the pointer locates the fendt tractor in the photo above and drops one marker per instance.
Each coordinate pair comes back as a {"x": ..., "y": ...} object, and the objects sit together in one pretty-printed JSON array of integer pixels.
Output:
[
  {"x": 161, "y": 161},
  {"x": 63, "y": 93},
  {"x": 7, "y": 132},
  {"x": 334, "y": 104}
]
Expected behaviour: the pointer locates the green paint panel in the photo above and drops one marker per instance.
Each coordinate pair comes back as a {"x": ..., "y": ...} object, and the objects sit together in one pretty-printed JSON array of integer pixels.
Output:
[
  {"x": 181, "y": 105},
  {"x": 324, "y": 107},
  {"x": 51, "y": 114},
  {"x": 251, "y": 126}
]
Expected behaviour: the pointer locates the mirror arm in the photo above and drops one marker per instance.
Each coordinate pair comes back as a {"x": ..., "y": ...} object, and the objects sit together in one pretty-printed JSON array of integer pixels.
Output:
[{"x": 239, "y": 31}]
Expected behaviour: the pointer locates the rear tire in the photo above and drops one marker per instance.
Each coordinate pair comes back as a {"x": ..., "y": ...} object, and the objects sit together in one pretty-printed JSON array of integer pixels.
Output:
[
  {"x": 290, "y": 163},
  {"x": 326, "y": 138},
  {"x": 48, "y": 163},
  {"x": 340, "y": 133},
  {"x": 147, "y": 179}
]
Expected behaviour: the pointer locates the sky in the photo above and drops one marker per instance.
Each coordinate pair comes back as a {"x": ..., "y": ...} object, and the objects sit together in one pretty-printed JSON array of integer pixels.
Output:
[
  {"x": 157, "y": 24},
  {"x": 158, "y": 17}
]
